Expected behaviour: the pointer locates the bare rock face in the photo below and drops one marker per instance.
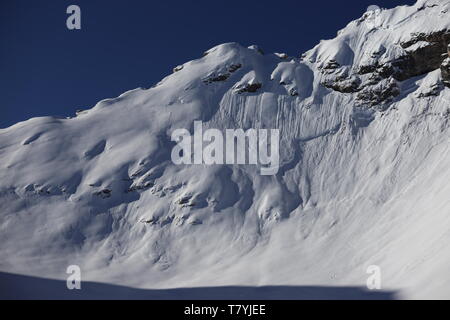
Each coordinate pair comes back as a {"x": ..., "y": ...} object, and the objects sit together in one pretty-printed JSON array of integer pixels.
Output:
[
  {"x": 343, "y": 85},
  {"x": 425, "y": 53},
  {"x": 222, "y": 76},
  {"x": 422, "y": 53},
  {"x": 250, "y": 87},
  {"x": 376, "y": 83},
  {"x": 445, "y": 69},
  {"x": 379, "y": 94}
]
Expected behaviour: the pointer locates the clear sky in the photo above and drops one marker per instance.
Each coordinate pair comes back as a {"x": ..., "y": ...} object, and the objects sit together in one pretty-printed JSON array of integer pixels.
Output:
[{"x": 46, "y": 69}]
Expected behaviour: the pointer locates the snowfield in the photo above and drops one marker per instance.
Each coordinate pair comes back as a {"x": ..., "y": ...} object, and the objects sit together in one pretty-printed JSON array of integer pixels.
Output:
[{"x": 363, "y": 178}]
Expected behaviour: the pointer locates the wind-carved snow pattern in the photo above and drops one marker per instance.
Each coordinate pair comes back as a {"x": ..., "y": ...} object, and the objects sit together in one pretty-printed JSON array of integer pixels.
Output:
[{"x": 363, "y": 176}]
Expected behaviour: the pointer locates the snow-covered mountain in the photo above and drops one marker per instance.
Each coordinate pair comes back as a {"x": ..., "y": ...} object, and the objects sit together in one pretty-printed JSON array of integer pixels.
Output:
[{"x": 363, "y": 179}]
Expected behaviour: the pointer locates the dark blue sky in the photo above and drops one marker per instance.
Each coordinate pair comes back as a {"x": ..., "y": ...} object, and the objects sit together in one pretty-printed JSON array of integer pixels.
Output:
[{"x": 45, "y": 69}]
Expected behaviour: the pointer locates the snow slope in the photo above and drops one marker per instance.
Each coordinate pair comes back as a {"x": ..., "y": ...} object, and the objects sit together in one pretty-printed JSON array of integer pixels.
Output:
[{"x": 363, "y": 180}]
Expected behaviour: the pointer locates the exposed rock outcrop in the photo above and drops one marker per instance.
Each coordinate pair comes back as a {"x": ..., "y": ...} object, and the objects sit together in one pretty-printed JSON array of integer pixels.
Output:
[
  {"x": 445, "y": 68},
  {"x": 343, "y": 85},
  {"x": 376, "y": 82},
  {"x": 425, "y": 53},
  {"x": 383, "y": 92},
  {"x": 253, "y": 87},
  {"x": 222, "y": 76}
]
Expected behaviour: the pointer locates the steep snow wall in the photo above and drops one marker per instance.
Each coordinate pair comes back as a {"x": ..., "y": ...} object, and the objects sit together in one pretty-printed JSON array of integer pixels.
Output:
[{"x": 364, "y": 128}]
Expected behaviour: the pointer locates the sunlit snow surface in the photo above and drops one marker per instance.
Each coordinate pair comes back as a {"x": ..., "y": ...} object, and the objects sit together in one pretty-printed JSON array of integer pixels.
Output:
[{"x": 355, "y": 188}]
